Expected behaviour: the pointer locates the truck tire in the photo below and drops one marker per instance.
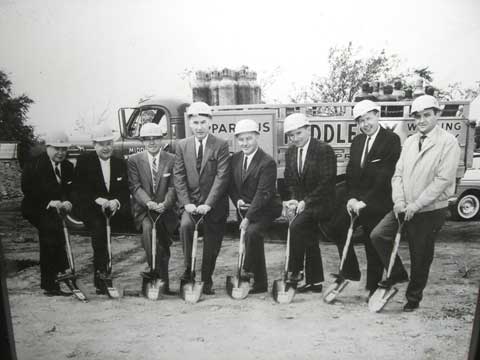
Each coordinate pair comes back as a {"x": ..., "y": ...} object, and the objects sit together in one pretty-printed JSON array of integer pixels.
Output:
[{"x": 468, "y": 206}]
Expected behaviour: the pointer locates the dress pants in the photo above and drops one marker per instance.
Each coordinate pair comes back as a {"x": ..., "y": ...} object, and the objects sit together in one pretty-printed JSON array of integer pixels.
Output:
[
  {"x": 421, "y": 232},
  {"x": 162, "y": 255},
  {"x": 255, "y": 252},
  {"x": 304, "y": 247},
  {"x": 351, "y": 269},
  {"x": 53, "y": 257},
  {"x": 212, "y": 241}
]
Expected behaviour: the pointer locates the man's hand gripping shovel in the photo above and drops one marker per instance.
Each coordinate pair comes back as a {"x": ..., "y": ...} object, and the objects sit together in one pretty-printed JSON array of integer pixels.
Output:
[
  {"x": 70, "y": 278},
  {"x": 191, "y": 290},
  {"x": 237, "y": 287},
  {"x": 340, "y": 282},
  {"x": 382, "y": 295}
]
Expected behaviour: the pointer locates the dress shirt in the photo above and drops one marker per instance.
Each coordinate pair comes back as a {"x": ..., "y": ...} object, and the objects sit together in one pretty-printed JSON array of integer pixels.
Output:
[{"x": 105, "y": 165}]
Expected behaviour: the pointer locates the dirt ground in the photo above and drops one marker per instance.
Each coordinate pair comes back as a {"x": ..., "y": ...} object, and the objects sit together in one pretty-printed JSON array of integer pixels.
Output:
[{"x": 255, "y": 328}]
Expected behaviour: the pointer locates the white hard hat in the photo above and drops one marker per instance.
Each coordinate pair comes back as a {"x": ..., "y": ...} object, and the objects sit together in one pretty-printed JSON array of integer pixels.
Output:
[
  {"x": 102, "y": 132},
  {"x": 57, "y": 138},
  {"x": 364, "y": 107},
  {"x": 424, "y": 102},
  {"x": 151, "y": 129},
  {"x": 295, "y": 121},
  {"x": 199, "y": 108},
  {"x": 246, "y": 125}
]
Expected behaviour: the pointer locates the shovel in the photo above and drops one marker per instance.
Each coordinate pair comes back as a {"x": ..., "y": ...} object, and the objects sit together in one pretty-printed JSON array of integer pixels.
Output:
[
  {"x": 152, "y": 285},
  {"x": 112, "y": 291},
  {"x": 383, "y": 294},
  {"x": 236, "y": 287},
  {"x": 191, "y": 290},
  {"x": 340, "y": 281},
  {"x": 70, "y": 278},
  {"x": 282, "y": 290}
]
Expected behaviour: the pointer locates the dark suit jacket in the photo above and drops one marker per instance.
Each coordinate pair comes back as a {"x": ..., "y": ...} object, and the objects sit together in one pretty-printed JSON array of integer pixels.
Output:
[
  {"x": 40, "y": 186},
  {"x": 210, "y": 185},
  {"x": 258, "y": 186},
  {"x": 316, "y": 185},
  {"x": 141, "y": 187},
  {"x": 89, "y": 185},
  {"x": 372, "y": 184}
]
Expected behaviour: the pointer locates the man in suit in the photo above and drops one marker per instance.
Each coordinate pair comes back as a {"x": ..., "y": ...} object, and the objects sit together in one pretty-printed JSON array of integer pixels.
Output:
[
  {"x": 47, "y": 187},
  {"x": 101, "y": 185},
  {"x": 423, "y": 181},
  {"x": 150, "y": 181},
  {"x": 373, "y": 155},
  {"x": 253, "y": 184},
  {"x": 202, "y": 173},
  {"x": 310, "y": 174}
]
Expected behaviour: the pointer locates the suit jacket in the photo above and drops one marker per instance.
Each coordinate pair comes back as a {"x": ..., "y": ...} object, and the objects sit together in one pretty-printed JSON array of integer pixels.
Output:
[
  {"x": 40, "y": 186},
  {"x": 372, "y": 184},
  {"x": 210, "y": 185},
  {"x": 257, "y": 187},
  {"x": 90, "y": 185},
  {"x": 141, "y": 187},
  {"x": 316, "y": 184}
]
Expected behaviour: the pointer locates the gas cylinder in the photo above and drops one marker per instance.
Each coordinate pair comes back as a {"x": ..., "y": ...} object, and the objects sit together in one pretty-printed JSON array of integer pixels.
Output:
[
  {"x": 419, "y": 90},
  {"x": 244, "y": 95},
  {"x": 200, "y": 87},
  {"x": 214, "y": 88},
  {"x": 227, "y": 88},
  {"x": 255, "y": 90},
  {"x": 398, "y": 92}
]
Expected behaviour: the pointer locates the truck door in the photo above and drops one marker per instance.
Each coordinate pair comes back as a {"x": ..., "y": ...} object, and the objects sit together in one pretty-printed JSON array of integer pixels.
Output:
[{"x": 140, "y": 116}]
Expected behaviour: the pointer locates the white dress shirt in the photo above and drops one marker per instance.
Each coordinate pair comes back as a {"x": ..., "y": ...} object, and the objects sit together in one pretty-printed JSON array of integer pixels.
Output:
[
  {"x": 197, "y": 144},
  {"x": 304, "y": 153},
  {"x": 249, "y": 158},
  {"x": 105, "y": 165},
  {"x": 150, "y": 161},
  {"x": 370, "y": 144},
  {"x": 54, "y": 165}
]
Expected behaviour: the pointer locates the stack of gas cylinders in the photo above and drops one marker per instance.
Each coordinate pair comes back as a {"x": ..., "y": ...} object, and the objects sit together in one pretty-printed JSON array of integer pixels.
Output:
[{"x": 227, "y": 87}]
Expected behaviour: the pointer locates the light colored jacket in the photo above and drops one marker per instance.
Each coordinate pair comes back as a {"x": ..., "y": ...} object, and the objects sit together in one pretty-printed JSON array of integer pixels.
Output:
[{"x": 426, "y": 178}]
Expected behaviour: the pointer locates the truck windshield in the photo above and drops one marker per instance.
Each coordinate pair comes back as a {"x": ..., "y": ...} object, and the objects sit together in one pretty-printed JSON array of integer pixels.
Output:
[{"x": 144, "y": 116}]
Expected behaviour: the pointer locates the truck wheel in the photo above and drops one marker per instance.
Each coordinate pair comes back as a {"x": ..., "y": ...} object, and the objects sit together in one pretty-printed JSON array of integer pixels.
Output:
[{"x": 468, "y": 206}]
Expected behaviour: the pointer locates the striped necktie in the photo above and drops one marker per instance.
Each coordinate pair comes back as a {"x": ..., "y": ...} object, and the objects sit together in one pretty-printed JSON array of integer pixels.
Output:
[
  {"x": 199, "y": 156},
  {"x": 420, "y": 142},
  {"x": 57, "y": 173},
  {"x": 154, "y": 173}
]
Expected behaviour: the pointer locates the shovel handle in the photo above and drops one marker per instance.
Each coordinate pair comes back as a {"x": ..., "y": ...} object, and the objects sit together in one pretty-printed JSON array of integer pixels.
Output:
[
  {"x": 353, "y": 219},
  {"x": 154, "y": 216},
  {"x": 195, "y": 240},
  {"x": 396, "y": 243},
  {"x": 287, "y": 248},
  {"x": 71, "y": 263}
]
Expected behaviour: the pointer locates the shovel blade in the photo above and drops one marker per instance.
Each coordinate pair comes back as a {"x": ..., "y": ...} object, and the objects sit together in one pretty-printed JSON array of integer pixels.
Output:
[
  {"x": 192, "y": 291},
  {"x": 152, "y": 288},
  {"x": 380, "y": 298},
  {"x": 76, "y": 289},
  {"x": 236, "y": 288},
  {"x": 334, "y": 290},
  {"x": 283, "y": 292},
  {"x": 113, "y": 291}
]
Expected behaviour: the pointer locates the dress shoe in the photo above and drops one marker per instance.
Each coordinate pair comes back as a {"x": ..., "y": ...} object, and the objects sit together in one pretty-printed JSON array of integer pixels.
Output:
[
  {"x": 411, "y": 306},
  {"x": 258, "y": 289},
  {"x": 100, "y": 291},
  {"x": 187, "y": 275},
  {"x": 317, "y": 288},
  {"x": 56, "y": 292},
  {"x": 295, "y": 277},
  {"x": 350, "y": 277},
  {"x": 208, "y": 290},
  {"x": 246, "y": 275}
]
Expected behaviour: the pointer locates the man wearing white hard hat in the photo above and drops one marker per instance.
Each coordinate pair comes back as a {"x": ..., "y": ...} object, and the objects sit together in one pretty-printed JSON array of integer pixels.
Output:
[
  {"x": 47, "y": 187},
  {"x": 423, "y": 181},
  {"x": 150, "y": 178},
  {"x": 253, "y": 187},
  {"x": 373, "y": 155},
  {"x": 101, "y": 185},
  {"x": 310, "y": 174},
  {"x": 202, "y": 174}
]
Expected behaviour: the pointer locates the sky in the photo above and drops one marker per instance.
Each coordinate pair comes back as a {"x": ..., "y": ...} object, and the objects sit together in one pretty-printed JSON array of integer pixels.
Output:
[{"x": 85, "y": 59}]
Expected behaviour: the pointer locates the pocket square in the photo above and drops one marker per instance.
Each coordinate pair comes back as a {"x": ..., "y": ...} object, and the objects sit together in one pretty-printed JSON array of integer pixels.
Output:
[
  {"x": 119, "y": 178},
  {"x": 166, "y": 175},
  {"x": 376, "y": 160}
]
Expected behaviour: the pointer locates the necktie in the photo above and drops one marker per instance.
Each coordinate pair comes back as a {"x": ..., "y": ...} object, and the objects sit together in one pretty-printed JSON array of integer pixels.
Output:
[
  {"x": 57, "y": 173},
  {"x": 154, "y": 173},
  {"x": 420, "y": 142},
  {"x": 300, "y": 162},
  {"x": 199, "y": 156},
  {"x": 245, "y": 163},
  {"x": 365, "y": 152}
]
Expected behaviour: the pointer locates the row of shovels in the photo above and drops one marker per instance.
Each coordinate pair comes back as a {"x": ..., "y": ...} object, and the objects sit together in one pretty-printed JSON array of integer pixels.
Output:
[{"x": 238, "y": 287}]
